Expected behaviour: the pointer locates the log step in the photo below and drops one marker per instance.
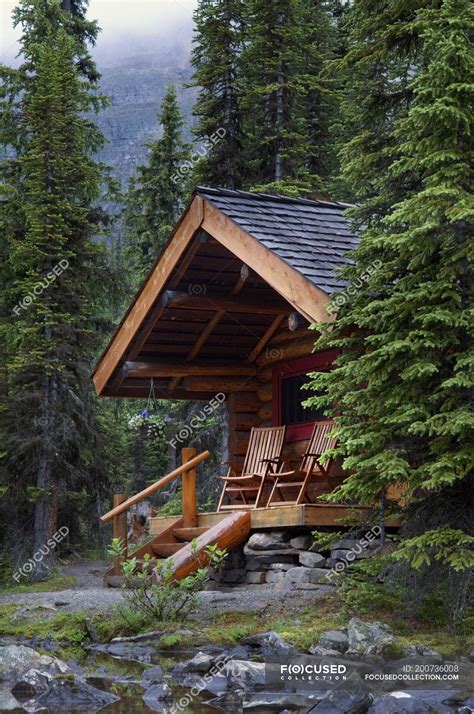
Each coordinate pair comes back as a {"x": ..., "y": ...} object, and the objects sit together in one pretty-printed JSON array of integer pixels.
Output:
[
  {"x": 188, "y": 533},
  {"x": 166, "y": 549}
]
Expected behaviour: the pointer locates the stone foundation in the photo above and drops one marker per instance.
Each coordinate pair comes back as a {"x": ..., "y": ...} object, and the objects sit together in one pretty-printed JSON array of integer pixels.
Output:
[{"x": 286, "y": 559}]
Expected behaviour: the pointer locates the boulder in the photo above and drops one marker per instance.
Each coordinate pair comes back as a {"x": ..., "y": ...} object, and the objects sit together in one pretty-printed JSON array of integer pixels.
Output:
[
  {"x": 312, "y": 560},
  {"x": 201, "y": 662},
  {"x": 273, "y": 576},
  {"x": 256, "y": 577},
  {"x": 267, "y": 557},
  {"x": 278, "y": 700},
  {"x": 156, "y": 696},
  {"x": 335, "y": 640},
  {"x": 344, "y": 701},
  {"x": 399, "y": 703},
  {"x": 129, "y": 651},
  {"x": 368, "y": 637},
  {"x": 281, "y": 566},
  {"x": 418, "y": 650},
  {"x": 306, "y": 575},
  {"x": 271, "y": 644},
  {"x": 8, "y": 703},
  {"x": 323, "y": 651},
  {"x": 244, "y": 675},
  {"x": 16, "y": 660},
  {"x": 269, "y": 541},
  {"x": 71, "y": 694},
  {"x": 346, "y": 555},
  {"x": 152, "y": 675},
  {"x": 302, "y": 542}
]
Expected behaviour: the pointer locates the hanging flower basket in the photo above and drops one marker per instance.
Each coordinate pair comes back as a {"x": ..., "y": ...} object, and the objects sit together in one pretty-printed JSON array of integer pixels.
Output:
[{"x": 149, "y": 422}]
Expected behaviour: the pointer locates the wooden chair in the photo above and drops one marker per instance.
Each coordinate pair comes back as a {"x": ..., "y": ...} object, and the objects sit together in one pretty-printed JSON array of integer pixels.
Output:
[
  {"x": 263, "y": 452},
  {"x": 310, "y": 468}
]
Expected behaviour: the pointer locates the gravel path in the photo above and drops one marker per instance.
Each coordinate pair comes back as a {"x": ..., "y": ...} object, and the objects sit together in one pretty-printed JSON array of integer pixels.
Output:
[{"x": 89, "y": 594}]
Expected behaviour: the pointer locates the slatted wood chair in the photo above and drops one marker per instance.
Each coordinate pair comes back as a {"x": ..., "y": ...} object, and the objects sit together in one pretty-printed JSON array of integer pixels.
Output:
[
  {"x": 310, "y": 469},
  {"x": 263, "y": 453}
]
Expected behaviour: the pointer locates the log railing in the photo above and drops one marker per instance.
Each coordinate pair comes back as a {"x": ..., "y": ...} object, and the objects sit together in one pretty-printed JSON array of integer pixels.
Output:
[{"x": 187, "y": 471}]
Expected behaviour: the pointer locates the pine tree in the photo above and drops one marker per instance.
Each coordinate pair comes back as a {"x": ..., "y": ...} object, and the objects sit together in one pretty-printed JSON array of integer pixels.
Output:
[
  {"x": 403, "y": 382},
  {"x": 157, "y": 191},
  {"x": 58, "y": 276},
  {"x": 216, "y": 56},
  {"x": 287, "y": 100}
]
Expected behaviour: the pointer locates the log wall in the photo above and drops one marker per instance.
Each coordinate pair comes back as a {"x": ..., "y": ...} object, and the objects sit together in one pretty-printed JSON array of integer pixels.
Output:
[{"x": 255, "y": 406}]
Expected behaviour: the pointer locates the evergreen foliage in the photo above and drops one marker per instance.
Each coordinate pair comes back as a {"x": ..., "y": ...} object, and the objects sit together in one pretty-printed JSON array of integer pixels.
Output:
[
  {"x": 288, "y": 101},
  {"x": 56, "y": 276},
  {"x": 216, "y": 57},
  {"x": 403, "y": 382},
  {"x": 157, "y": 191}
]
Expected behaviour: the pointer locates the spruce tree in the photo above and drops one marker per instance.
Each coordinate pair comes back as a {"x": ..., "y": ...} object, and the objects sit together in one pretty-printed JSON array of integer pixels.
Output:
[
  {"x": 287, "y": 99},
  {"x": 58, "y": 277},
  {"x": 216, "y": 56},
  {"x": 403, "y": 382},
  {"x": 157, "y": 190}
]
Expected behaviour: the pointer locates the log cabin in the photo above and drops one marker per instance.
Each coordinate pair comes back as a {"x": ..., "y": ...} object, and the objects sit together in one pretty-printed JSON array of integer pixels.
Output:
[{"x": 226, "y": 310}]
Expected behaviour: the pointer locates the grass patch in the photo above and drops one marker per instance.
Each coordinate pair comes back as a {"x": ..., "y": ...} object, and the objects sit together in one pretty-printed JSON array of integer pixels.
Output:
[{"x": 56, "y": 582}]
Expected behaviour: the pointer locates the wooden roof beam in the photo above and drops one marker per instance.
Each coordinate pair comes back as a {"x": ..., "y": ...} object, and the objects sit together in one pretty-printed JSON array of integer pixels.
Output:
[
  {"x": 152, "y": 368},
  {"x": 212, "y": 302},
  {"x": 265, "y": 338}
]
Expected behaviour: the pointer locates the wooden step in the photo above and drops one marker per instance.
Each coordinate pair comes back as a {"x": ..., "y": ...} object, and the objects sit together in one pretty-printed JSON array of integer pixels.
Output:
[
  {"x": 165, "y": 549},
  {"x": 188, "y": 533}
]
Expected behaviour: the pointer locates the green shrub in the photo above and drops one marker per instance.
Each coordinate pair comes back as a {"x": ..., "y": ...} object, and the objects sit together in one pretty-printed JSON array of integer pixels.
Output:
[{"x": 157, "y": 595}]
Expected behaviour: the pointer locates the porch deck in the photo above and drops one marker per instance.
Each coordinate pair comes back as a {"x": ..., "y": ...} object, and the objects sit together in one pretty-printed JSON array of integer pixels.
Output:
[{"x": 310, "y": 515}]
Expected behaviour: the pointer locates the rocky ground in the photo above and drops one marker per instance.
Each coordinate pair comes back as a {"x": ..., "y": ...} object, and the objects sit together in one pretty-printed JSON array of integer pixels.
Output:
[
  {"x": 90, "y": 594},
  {"x": 247, "y": 677}
]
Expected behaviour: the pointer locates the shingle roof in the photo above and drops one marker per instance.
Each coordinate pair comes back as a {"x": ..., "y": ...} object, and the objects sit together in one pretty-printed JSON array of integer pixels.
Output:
[{"x": 310, "y": 236}]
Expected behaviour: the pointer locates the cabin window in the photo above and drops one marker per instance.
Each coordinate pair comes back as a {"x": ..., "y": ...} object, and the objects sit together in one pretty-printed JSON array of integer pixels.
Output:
[{"x": 288, "y": 394}]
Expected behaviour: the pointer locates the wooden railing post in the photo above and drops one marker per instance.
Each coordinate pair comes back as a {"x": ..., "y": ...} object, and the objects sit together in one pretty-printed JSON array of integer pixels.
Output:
[
  {"x": 189, "y": 490},
  {"x": 120, "y": 529}
]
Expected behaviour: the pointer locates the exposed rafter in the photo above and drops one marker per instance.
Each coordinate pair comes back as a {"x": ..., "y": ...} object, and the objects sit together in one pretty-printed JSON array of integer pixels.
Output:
[{"x": 155, "y": 368}]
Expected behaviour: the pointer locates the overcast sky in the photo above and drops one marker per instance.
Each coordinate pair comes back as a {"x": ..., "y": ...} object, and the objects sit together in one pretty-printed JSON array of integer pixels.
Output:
[{"x": 120, "y": 20}]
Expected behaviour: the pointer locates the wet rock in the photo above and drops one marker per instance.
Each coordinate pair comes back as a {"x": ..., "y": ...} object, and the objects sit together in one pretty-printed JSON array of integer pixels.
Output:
[
  {"x": 244, "y": 675},
  {"x": 344, "y": 702},
  {"x": 74, "y": 693},
  {"x": 8, "y": 703},
  {"x": 135, "y": 653},
  {"x": 201, "y": 662},
  {"x": 152, "y": 675},
  {"x": 271, "y": 644},
  {"x": 279, "y": 700},
  {"x": 306, "y": 575},
  {"x": 312, "y": 560},
  {"x": 368, "y": 637},
  {"x": 335, "y": 640},
  {"x": 399, "y": 703},
  {"x": 16, "y": 660},
  {"x": 158, "y": 695},
  {"x": 269, "y": 541}
]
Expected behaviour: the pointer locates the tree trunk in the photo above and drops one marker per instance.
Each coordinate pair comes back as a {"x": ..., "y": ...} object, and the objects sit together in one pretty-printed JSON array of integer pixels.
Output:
[{"x": 46, "y": 508}]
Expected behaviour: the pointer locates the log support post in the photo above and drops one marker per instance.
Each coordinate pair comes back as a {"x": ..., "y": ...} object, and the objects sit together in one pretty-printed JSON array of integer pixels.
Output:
[
  {"x": 189, "y": 490},
  {"x": 120, "y": 530}
]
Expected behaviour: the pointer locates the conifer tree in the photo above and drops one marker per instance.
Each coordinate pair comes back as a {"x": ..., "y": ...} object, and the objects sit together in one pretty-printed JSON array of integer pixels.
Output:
[
  {"x": 216, "y": 60},
  {"x": 58, "y": 276},
  {"x": 157, "y": 190},
  {"x": 287, "y": 100},
  {"x": 403, "y": 382}
]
